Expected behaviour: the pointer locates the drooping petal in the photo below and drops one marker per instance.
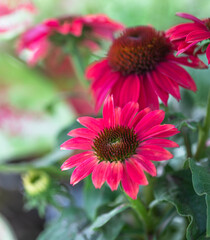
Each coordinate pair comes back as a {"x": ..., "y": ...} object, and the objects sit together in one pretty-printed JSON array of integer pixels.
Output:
[
  {"x": 114, "y": 176},
  {"x": 150, "y": 120},
  {"x": 83, "y": 170},
  {"x": 130, "y": 89},
  {"x": 160, "y": 142},
  {"x": 77, "y": 143},
  {"x": 154, "y": 153},
  {"x": 190, "y": 17},
  {"x": 142, "y": 96},
  {"x": 178, "y": 74},
  {"x": 75, "y": 160},
  {"x": 109, "y": 112},
  {"x": 128, "y": 113},
  {"x": 130, "y": 187},
  {"x": 198, "y": 35},
  {"x": 91, "y": 123},
  {"x": 96, "y": 70},
  {"x": 135, "y": 172},
  {"x": 99, "y": 174},
  {"x": 82, "y": 132},
  {"x": 146, "y": 164}
]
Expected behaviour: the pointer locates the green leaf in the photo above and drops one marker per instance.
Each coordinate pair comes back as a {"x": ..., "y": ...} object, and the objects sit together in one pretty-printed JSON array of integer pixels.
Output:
[
  {"x": 97, "y": 198},
  {"x": 104, "y": 218},
  {"x": 201, "y": 184},
  {"x": 177, "y": 189}
]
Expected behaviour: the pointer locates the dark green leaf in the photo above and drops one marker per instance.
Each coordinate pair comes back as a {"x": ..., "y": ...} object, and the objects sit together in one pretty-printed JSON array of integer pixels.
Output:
[
  {"x": 177, "y": 189},
  {"x": 201, "y": 184}
]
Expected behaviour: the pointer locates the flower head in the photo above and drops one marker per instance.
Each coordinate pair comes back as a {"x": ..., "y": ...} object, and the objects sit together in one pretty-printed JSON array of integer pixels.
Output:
[
  {"x": 86, "y": 30},
  {"x": 188, "y": 35},
  {"x": 119, "y": 147},
  {"x": 140, "y": 66}
]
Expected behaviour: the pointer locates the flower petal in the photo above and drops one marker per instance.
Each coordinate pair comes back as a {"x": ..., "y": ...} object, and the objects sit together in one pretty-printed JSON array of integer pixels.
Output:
[
  {"x": 190, "y": 17},
  {"x": 146, "y": 164},
  {"x": 130, "y": 187},
  {"x": 208, "y": 53},
  {"x": 138, "y": 117},
  {"x": 83, "y": 170},
  {"x": 198, "y": 35},
  {"x": 96, "y": 69},
  {"x": 77, "y": 143},
  {"x": 128, "y": 113},
  {"x": 93, "y": 124},
  {"x": 82, "y": 132},
  {"x": 75, "y": 160},
  {"x": 109, "y": 112},
  {"x": 99, "y": 174},
  {"x": 160, "y": 142},
  {"x": 114, "y": 176},
  {"x": 135, "y": 172},
  {"x": 154, "y": 153}
]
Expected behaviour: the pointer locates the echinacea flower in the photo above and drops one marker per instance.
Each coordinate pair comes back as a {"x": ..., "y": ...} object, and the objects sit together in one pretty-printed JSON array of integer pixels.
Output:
[
  {"x": 190, "y": 34},
  {"x": 14, "y": 20},
  {"x": 87, "y": 30},
  {"x": 119, "y": 147},
  {"x": 140, "y": 66}
]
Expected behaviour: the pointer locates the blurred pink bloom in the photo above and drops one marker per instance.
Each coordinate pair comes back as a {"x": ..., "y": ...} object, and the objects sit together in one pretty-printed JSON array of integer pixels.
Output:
[
  {"x": 16, "y": 19},
  {"x": 190, "y": 34},
  {"x": 119, "y": 147},
  {"x": 87, "y": 29}
]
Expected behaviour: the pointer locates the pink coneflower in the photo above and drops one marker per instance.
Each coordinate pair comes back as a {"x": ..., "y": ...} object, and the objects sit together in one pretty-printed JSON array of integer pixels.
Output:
[
  {"x": 140, "y": 66},
  {"x": 190, "y": 34},
  {"x": 86, "y": 30},
  {"x": 119, "y": 147}
]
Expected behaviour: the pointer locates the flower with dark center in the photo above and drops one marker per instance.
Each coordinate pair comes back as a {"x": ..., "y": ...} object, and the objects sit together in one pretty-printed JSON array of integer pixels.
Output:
[
  {"x": 119, "y": 147},
  {"x": 140, "y": 66},
  {"x": 189, "y": 35}
]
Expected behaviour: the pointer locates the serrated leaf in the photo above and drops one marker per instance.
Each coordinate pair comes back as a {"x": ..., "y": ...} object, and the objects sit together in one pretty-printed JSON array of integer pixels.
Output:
[
  {"x": 177, "y": 189},
  {"x": 201, "y": 184}
]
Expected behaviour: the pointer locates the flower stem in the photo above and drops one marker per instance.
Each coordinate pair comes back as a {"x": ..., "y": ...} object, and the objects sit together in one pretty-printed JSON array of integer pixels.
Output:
[
  {"x": 141, "y": 211},
  {"x": 78, "y": 67},
  {"x": 203, "y": 132}
]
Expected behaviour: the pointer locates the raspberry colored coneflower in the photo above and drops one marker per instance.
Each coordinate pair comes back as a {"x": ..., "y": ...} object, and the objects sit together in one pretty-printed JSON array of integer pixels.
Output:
[
  {"x": 140, "y": 66},
  {"x": 86, "y": 30},
  {"x": 190, "y": 34},
  {"x": 119, "y": 147}
]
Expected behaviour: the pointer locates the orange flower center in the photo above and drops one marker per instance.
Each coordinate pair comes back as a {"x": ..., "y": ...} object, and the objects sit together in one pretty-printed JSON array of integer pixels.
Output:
[
  {"x": 138, "y": 50},
  {"x": 115, "y": 144}
]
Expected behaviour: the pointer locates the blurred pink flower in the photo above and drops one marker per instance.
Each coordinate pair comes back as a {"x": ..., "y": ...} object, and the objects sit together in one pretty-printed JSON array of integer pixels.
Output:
[
  {"x": 15, "y": 19},
  {"x": 86, "y": 29},
  {"x": 119, "y": 147},
  {"x": 190, "y": 34}
]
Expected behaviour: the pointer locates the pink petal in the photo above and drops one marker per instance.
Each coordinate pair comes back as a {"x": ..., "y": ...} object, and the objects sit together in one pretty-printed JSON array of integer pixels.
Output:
[
  {"x": 82, "y": 132},
  {"x": 100, "y": 173},
  {"x": 165, "y": 130},
  {"x": 146, "y": 164},
  {"x": 160, "y": 142},
  {"x": 118, "y": 113},
  {"x": 190, "y": 61},
  {"x": 184, "y": 46},
  {"x": 76, "y": 160},
  {"x": 190, "y": 17},
  {"x": 154, "y": 153},
  {"x": 135, "y": 172},
  {"x": 115, "y": 89},
  {"x": 77, "y": 143},
  {"x": 138, "y": 117},
  {"x": 83, "y": 170},
  {"x": 114, "y": 176},
  {"x": 128, "y": 113},
  {"x": 159, "y": 91},
  {"x": 197, "y": 36},
  {"x": 109, "y": 112},
  {"x": 142, "y": 96},
  {"x": 92, "y": 123},
  {"x": 96, "y": 69},
  {"x": 168, "y": 85},
  {"x": 130, "y": 90},
  {"x": 150, "y": 120},
  {"x": 129, "y": 186},
  {"x": 151, "y": 96},
  {"x": 208, "y": 53},
  {"x": 178, "y": 74}
]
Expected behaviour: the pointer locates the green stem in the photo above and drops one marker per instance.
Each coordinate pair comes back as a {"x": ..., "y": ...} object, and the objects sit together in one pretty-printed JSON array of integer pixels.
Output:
[
  {"x": 78, "y": 67},
  {"x": 187, "y": 141},
  {"x": 141, "y": 211},
  {"x": 203, "y": 132}
]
